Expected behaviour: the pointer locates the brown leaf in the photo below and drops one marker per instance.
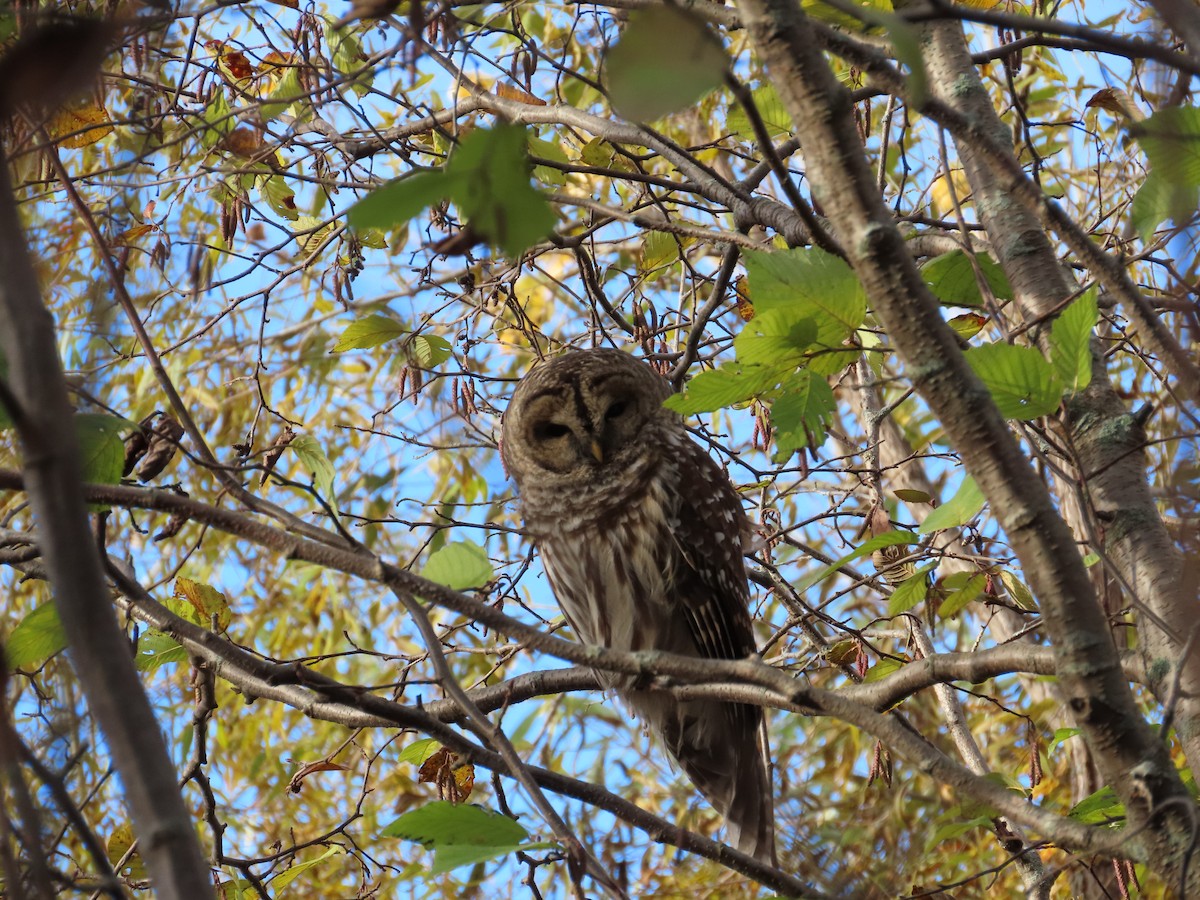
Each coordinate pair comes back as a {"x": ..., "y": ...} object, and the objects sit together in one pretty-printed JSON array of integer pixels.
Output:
[
  {"x": 275, "y": 452},
  {"x": 454, "y": 781},
  {"x": 307, "y": 769},
  {"x": 508, "y": 92},
  {"x": 164, "y": 441}
]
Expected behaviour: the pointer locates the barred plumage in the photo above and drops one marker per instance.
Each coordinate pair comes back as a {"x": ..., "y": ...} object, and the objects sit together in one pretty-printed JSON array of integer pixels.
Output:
[{"x": 641, "y": 536}]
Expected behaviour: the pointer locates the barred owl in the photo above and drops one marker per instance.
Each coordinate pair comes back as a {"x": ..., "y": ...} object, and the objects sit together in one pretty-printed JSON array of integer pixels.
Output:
[{"x": 640, "y": 534}]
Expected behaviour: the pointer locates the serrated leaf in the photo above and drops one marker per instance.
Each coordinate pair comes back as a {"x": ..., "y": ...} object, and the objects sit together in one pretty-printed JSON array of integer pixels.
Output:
[
  {"x": 398, "y": 201},
  {"x": 666, "y": 60},
  {"x": 419, "y": 751},
  {"x": 490, "y": 184},
  {"x": 1071, "y": 342},
  {"x": 369, "y": 331},
  {"x": 314, "y": 459},
  {"x": 459, "y": 566},
  {"x": 801, "y": 413},
  {"x": 429, "y": 350},
  {"x": 959, "y": 599},
  {"x": 718, "y": 388},
  {"x": 811, "y": 284},
  {"x": 1022, "y": 383},
  {"x": 952, "y": 278},
  {"x": 887, "y": 539},
  {"x": 73, "y": 127},
  {"x": 36, "y": 638},
  {"x": 217, "y": 118},
  {"x": 960, "y": 509},
  {"x": 911, "y": 591},
  {"x": 967, "y": 325},
  {"x": 780, "y": 338}
]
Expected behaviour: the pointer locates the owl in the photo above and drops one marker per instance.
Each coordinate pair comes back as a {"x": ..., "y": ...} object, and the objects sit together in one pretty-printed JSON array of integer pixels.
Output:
[{"x": 640, "y": 535}]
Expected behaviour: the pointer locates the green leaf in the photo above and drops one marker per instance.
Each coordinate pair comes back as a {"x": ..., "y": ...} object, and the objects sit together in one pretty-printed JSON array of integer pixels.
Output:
[
  {"x": 887, "y": 539},
  {"x": 155, "y": 650},
  {"x": 960, "y": 509},
  {"x": 459, "y": 566},
  {"x": 770, "y": 109},
  {"x": 666, "y": 60},
  {"x": 218, "y": 119},
  {"x": 658, "y": 249},
  {"x": 549, "y": 150},
  {"x": 911, "y": 591},
  {"x": 314, "y": 459},
  {"x": 1061, "y": 735},
  {"x": 801, "y": 413},
  {"x": 779, "y": 338},
  {"x": 100, "y": 447},
  {"x": 1071, "y": 342},
  {"x": 459, "y": 834},
  {"x": 1017, "y": 590},
  {"x": 369, "y": 331},
  {"x": 491, "y": 186},
  {"x": 419, "y": 751},
  {"x": 290, "y": 874},
  {"x": 811, "y": 284},
  {"x": 958, "y": 599},
  {"x": 967, "y": 325},
  {"x": 348, "y": 58},
  {"x": 429, "y": 350},
  {"x": 1100, "y": 807},
  {"x": 398, "y": 201},
  {"x": 718, "y": 388},
  {"x": 1022, "y": 383},
  {"x": 882, "y": 669},
  {"x": 1158, "y": 200},
  {"x": 288, "y": 92},
  {"x": 280, "y": 197},
  {"x": 1171, "y": 139},
  {"x": 952, "y": 278},
  {"x": 36, "y": 638}
]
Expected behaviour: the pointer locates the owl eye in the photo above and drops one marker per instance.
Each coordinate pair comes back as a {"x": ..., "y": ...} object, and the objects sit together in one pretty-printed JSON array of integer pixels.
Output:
[
  {"x": 548, "y": 431},
  {"x": 616, "y": 410}
]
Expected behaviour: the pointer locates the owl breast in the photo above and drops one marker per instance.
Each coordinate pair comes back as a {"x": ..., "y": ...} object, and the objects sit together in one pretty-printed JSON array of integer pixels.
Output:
[{"x": 613, "y": 574}]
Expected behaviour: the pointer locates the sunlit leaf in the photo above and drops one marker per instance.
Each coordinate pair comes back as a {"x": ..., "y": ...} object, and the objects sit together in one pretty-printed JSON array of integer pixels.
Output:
[
  {"x": 79, "y": 126},
  {"x": 369, "y": 331},
  {"x": 718, "y": 388},
  {"x": 35, "y": 639},
  {"x": 429, "y": 350},
  {"x": 1022, "y": 383},
  {"x": 962, "y": 594},
  {"x": 460, "y": 834},
  {"x": 313, "y": 457},
  {"x": 460, "y": 566},
  {"x": 770, "y": 109},
  {"x": 911, "y": 591},
  {"x": 1070, "y": 342},
  {"x": 210, "y": 605},
  {"x": 960, "y": 509},
  {"x": 801, "y": 413},
  {"x": 878, "y": 542}
]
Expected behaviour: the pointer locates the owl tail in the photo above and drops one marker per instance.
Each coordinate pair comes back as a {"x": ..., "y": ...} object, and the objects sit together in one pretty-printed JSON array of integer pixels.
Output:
[{"x": 720, "y": 747}]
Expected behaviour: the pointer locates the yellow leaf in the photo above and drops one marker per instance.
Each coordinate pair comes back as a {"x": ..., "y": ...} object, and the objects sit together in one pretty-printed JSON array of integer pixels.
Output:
[{"x": 79, "y": 126}]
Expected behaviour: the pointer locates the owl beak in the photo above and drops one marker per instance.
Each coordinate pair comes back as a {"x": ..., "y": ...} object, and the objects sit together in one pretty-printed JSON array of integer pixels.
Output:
[{"x": 597, "y": 450}]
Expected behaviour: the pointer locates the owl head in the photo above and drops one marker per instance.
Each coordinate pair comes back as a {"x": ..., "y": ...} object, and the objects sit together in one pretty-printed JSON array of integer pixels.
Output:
[{"x": 584, "y": 416}]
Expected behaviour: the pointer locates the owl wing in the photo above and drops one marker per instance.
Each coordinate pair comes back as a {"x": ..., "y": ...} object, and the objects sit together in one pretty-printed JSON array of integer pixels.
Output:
[{"x": 711, "y": 584}]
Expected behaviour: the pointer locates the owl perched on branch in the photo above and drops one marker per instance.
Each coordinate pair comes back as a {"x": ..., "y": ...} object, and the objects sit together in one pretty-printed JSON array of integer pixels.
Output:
[{"x": 640, "y": 534}]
